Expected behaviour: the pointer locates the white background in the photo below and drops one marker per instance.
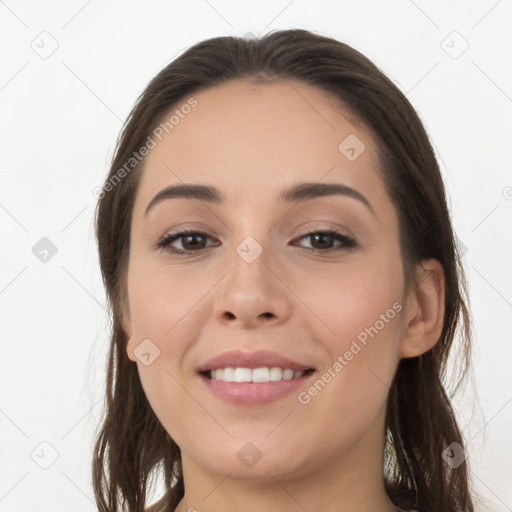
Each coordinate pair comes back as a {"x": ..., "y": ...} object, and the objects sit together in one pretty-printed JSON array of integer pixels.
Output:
[{"x": 60, "y": 117}]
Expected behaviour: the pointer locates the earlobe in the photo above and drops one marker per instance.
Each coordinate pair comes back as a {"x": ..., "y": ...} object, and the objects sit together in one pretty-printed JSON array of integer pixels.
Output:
[
  {"x": 125, "y": 324},
  {"x": 424, "y": 311},
  {"x": 130, "y": 345},
  {"x": 130, "y": 350}
]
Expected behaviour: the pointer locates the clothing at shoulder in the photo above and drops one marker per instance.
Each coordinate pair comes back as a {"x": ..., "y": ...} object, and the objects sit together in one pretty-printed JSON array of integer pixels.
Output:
[{"x": 159, "y": 506}]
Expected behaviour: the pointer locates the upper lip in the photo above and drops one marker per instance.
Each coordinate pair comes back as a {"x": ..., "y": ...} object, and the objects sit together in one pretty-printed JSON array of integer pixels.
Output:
[{"x": 258, "y": 359}]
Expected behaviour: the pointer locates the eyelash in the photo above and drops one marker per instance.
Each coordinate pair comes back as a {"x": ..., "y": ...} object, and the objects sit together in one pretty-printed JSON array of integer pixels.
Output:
[{"x": 347, "y": 242}]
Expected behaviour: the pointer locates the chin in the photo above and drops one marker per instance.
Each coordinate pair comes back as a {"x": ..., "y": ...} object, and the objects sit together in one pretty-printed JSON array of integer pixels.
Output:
[{"x": 254, "y": 461}]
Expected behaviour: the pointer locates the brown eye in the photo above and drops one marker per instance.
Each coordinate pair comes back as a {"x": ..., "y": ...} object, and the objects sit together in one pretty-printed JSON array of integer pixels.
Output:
[
  {"x": 191, "y": 241},
  {"x": 322, "y": 241},
  {"x": 195, "y": 241}
]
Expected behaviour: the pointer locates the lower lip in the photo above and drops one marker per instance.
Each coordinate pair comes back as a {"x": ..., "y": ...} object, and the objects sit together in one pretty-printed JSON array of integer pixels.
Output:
[{"x": 253, "y": 393}]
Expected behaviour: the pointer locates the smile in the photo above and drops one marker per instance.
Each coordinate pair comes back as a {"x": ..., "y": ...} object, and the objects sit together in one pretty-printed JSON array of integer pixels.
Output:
[
  {"x": 253, "y": 392},
  {"x": 264, "y": 374}
]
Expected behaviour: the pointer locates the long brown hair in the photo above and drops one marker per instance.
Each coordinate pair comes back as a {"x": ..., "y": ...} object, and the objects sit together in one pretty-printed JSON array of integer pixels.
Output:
[{"x": 131, "y": 444}]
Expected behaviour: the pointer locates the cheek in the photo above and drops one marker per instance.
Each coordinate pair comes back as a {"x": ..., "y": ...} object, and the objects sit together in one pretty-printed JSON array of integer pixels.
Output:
[
  {"x": 346, "y": 302},
  {"x": 357, "y": 319},
  {"x": 163, "y": 300},
  {"x": 171, "y": 404},
  {"x": 164, "y": 309}
]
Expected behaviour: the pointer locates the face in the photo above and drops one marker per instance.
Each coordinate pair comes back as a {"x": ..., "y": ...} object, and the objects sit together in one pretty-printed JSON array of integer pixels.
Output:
[{"x": 261, "y": 272}]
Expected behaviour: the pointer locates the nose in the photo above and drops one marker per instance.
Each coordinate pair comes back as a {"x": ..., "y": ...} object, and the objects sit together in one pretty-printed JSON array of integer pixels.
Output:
[{"x": 253, "y": 294}]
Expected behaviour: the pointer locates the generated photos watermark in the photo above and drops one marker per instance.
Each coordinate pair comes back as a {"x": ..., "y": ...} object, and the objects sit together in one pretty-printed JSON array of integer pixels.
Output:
[
  {"x": 357, "y": 345},
  {"x": 151, "y": 142}
]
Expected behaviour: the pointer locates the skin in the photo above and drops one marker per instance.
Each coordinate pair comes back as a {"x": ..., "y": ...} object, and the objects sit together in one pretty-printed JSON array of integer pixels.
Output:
[{"x": 251, "y": 142}]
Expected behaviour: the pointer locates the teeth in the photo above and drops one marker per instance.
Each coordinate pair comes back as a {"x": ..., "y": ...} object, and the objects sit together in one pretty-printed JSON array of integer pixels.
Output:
[{"x": 264, "y": 374}]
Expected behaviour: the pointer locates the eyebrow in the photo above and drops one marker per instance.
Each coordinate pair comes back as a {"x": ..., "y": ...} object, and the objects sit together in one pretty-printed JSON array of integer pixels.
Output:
[{"x": 296, "y": 193}]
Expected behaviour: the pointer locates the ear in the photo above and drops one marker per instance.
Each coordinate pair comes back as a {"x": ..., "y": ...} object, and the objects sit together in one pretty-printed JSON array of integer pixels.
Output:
[
  {"x": 127, "y": 328},
  {"x": 424, "y": 311},
  {"x": 130, "y": 347}
]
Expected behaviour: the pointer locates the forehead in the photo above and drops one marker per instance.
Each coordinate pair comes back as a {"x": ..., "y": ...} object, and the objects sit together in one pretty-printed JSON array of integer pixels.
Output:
[{"x": 256, "y": 140}]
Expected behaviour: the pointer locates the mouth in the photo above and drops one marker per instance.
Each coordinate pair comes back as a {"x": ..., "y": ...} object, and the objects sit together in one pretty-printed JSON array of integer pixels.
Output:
[
  {"x": 253, "y": 378},
  {"x": 255, "y": 375},
  {"x": 235, "y": 388}
]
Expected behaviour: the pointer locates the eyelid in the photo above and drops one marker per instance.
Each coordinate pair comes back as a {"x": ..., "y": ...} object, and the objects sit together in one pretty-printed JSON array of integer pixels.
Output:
[
  {"x": 347, "y": 241},
  {"x": 316, "y": 229},
  {"x": 163, "y": 242}
]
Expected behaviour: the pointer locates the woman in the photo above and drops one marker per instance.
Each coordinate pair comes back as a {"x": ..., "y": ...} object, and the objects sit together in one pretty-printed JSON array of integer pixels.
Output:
[{"x": 285, "y": 289}]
